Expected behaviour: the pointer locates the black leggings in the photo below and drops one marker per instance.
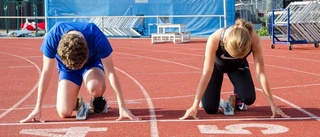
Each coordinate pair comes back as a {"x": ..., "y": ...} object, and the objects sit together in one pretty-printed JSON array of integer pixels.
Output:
[{"x": 243, "y": 86}]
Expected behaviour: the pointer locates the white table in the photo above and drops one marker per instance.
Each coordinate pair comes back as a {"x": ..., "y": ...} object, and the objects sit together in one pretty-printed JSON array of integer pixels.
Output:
[
  {"x": 171, "y": 32},
  {"x": 163, "y": 28}
]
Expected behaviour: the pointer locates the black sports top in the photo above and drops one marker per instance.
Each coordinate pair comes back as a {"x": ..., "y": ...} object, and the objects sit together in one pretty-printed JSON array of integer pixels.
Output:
[{"x": 224, "y": 61}]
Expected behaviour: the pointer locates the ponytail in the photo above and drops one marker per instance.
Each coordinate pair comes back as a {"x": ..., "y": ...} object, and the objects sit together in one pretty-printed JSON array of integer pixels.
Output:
[{"x": 247, "y": 25}]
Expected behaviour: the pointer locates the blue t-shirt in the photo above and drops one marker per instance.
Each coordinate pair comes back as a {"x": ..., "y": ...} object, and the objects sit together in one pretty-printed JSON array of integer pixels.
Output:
[{"x": 98, "y": 44}]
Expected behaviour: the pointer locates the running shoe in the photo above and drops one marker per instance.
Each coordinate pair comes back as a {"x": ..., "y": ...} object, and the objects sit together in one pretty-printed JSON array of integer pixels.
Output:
[
  {"x": 239, "y": 105},
  {"x": 200, "y": 104},
  {"x": 98, "y": 104}
]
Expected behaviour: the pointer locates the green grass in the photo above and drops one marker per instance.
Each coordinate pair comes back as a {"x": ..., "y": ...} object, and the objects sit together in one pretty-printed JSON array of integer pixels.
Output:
[{"x": 263, "y": 31}]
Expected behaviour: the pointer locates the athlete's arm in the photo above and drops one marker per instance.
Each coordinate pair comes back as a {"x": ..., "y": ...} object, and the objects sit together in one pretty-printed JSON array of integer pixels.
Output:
[
  {"x": 210, "y": 53},
  {"x": 46, "y": 74},
  {"x": 115, "y": 85},
  {"x": 261, "y": 75},
  {"x": 208, "y": 65},
  {"x": 259, "y": 67},
  {"x": 45, "y": 77},
  {"x": 113, "y": 79}
]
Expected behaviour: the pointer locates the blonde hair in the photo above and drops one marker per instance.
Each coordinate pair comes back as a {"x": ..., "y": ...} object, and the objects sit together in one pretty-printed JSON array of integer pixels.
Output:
[
  {"x": 73, "y": 51},
  {"x": 243, "y": 23},
  {"x": 238, "y": 43}
]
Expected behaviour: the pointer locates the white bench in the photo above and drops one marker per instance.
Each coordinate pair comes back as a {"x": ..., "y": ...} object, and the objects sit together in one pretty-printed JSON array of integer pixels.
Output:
[
  {"x": 171, "y": 32},
  {"x": 175, "y": 37}
]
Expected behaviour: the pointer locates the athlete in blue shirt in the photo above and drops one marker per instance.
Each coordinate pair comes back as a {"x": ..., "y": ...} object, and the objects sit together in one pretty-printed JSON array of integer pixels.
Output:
[
  {"x": 83, "y": 54},
  {"x": 226, "y": 52}
]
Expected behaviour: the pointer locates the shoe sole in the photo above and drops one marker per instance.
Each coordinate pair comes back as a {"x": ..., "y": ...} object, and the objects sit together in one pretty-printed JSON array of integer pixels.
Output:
[{"x": 105, "y": 110}]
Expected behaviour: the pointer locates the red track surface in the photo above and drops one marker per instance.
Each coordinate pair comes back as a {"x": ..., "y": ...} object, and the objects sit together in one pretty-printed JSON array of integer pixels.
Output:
[{"x": 159, "y": 82}]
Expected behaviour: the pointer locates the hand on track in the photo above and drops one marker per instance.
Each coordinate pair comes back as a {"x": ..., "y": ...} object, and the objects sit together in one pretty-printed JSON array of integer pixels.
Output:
[
  {"x": 190, "y": 112},
  {"x": 125, "y": 113},
  {"x": 33, "y": 116},
  {"x": 277, "y": 111}
]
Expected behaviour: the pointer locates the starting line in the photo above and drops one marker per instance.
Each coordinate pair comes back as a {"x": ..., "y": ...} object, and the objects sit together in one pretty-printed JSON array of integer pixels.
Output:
[{"x": 142, "y": 121}]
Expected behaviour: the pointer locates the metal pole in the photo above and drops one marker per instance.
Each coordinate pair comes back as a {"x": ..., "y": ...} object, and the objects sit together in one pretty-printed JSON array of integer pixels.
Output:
[
  {"x": 225, "y": 12},
  {"x": 35, "y": 13},
  {"x": 18, "y": 13},
  {"x": 5, "y": 7},
  {"x": 46, "y": 15},
  {"x": 288, "y": 26},
  {"x": 272, "y": 25}
]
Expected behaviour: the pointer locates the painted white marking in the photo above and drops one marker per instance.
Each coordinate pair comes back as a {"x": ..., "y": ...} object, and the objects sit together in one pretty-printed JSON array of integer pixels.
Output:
[
  {"x": 28, "y": 94},
  {"x": 293, "y": 58},
  {"x": 296, "y": 86},
  {"x": 153, "y": 122},
  {"x": 58, "y": 132},
  {"x": 165, "y": 120},
  {"x": 290, "y": 69},
  {"x": 174, "y": 73},
  {"x": 32, "y": 107},
  {"x": 12, "y": 67},
  {"x": 239, "y": 129},
  {"x": 162, "y": 60}
]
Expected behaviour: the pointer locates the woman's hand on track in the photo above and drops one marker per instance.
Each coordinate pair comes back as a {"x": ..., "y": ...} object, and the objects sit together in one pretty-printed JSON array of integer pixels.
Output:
[
  {"x": 33, "y": 116},
  {"x": 277, "y": 111},
  {"x": 126, "y": 113},
  {"x": 190, "y": 112}
]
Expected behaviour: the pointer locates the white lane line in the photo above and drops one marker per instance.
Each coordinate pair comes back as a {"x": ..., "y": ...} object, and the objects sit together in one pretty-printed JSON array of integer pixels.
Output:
[
  {"x": 27, "y": 57},
  {"x": 12, "y": 67},
  {"x": 296, "y": 86},
  {"x": 290, "y": 69},
  {"x": 162, "y": 60},
  {"x": 153, "y": 121},
  {"x": 165, "y": 120},
  {"x": 293, "y": 58},
  {"x": 28, "y": 94},
  {"x": 171, "y": 73}
]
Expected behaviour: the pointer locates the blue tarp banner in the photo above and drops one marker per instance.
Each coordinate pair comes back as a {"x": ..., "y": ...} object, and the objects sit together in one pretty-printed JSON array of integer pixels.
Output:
[{"x": 198, "y": 26}]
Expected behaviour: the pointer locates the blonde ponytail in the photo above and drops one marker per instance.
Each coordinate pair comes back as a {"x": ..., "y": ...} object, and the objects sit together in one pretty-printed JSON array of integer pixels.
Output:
[{"x": 247, "y": 25}]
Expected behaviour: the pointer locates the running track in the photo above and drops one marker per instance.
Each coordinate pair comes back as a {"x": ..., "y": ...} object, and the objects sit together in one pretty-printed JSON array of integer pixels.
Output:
[{"x": 159, "y": 82}]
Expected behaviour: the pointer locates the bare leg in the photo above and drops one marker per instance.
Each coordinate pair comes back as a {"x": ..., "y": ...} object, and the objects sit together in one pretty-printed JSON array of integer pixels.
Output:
[
  {"x": 95, "y": 83},
  {"x": 66, "y": 98}
]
